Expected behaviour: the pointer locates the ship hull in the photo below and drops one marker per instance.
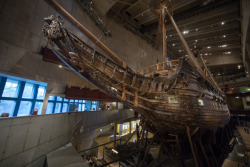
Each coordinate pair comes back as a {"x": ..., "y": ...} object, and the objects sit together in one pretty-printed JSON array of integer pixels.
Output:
[{"x": 169, "y": 103}]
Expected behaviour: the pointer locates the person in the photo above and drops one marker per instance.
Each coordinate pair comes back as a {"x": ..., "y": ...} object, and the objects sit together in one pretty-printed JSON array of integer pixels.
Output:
[
  {"x": 99, "y": 109},
  {"x": 34, "y": 112},
  {"x": 85, "y": 109},
  {"x": 76, "y": 110},
  {"x": 5, "y": 115}
]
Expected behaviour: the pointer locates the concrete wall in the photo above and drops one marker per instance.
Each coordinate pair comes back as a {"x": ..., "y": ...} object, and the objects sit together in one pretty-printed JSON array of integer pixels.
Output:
[
  {"x": 21, "y": 39},
  {"x": 25, "y": 141}
]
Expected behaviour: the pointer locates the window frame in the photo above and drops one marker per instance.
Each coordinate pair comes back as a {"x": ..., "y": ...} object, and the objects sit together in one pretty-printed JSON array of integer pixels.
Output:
[{"x": 19, "y": 98}]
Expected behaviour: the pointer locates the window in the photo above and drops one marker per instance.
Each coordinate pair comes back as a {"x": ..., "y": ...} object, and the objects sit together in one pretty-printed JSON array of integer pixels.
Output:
[
  {"x": 59, "y": 98},
  {"x": 51, "y": 97},
  {"x": 49, "y": 109},
  {"x": 58, "y": 108},
  {"x": 28, "y": 91},
  {"x": 65, "y": 107},
  {"x": 11, "y": 88},
  {"x": 94, "y": 104},
  {"x": 79, "y": 107},
  {"x": 20, "y": 96},
  {"x": 41, "y": 92},
  {"x": 83, "y": 107},
  {"x": 7, "y": 106},
  {"x": 39, "y": 106},
  {"x": 173, "y": 99},
  {"x": 201, "y": 103},
  {"x": 24, "y": 108}
]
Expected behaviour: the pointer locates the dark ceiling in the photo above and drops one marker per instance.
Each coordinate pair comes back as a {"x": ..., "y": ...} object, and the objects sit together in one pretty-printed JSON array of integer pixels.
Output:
[{"x": 215, "y": 25}]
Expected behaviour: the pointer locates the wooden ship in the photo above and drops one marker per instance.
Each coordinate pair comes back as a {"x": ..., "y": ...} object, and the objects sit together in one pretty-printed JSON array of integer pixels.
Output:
[{"x": 172, "y": 95}]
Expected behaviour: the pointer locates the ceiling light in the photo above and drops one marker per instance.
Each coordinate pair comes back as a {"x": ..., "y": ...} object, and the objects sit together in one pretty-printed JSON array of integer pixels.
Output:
[
  {"x": 60, "y": 66},
  {"x": 209, "y": 47},
  {"x": 224, "y": 36},
  {"x": 223, "y": 46},
  {"x": 185, "y": 32},
  {"x": 179, "y": 50},
  {"x": 222, "y": 23},
  {"x": 196, "y": 29},
  {"x": 196, "y": 40},
  {"x": 237, "y": 97},
  {"x": 227, "y": 53},
  {"x": 239, "y": 66},
  {"x": 173, "y": 44},
  {"x": 170, "y": 35}
]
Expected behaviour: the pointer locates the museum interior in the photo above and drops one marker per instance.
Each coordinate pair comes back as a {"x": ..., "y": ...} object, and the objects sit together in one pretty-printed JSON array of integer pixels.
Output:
[{"x": 131, "y": 83}]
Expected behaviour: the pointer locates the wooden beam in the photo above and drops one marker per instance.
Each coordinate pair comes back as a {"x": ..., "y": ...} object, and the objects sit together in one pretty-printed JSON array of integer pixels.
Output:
[
  {"x": 212, "y": 152},
  {"x": 245, "y": 14},
  {"x": 205, "y": 154},
  {"x": 192, "y": 147},
  {"x": 136, "y": 99},
  {"x": 123, "y": 92}
]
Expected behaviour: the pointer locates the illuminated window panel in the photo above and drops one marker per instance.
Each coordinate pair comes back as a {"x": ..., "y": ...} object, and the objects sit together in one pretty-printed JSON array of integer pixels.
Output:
[
  {"x": 173, "y": 99},
  {"x": 24, "y": 108},
  {"x": 201, "y": 102},
  {"x": 7, "y": 106},
  {"x": 28, "y": 91},
  {"x": 11, "y": 88}
]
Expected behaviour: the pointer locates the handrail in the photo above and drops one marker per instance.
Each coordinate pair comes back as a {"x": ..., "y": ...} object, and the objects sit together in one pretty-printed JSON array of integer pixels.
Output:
[
  {"x": 100, "y": 145},
  {"x": 157, "y": 66}
]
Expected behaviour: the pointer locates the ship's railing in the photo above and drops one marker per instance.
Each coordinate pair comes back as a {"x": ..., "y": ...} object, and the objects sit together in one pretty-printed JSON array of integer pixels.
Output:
[{"x": 159, "y": 68}]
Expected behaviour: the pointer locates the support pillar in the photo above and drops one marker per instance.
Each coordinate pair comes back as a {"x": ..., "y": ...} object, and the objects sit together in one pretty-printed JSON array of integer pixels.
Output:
[
  {"x": 129, "y": 127},
  {"x": 115, "y": 132},
  {"x": 211, "y": 150},
  {"x": 192, "y": 147},
  {"x": 204, "y": 153}
]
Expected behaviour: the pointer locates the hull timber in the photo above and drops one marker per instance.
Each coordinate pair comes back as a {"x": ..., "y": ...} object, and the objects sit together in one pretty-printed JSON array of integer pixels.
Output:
[{"x": 169, "y": 102}]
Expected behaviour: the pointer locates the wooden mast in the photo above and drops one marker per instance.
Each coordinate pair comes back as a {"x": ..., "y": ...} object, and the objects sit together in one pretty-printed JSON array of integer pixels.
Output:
[
  {"x": 192, "y": 59},
  {"x": 58, "y": 8},
  {"x": 164, "y": 42}
]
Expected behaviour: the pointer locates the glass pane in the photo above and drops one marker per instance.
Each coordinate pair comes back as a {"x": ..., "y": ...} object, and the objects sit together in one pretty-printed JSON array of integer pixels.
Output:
[
  {"x": 79, "y": 107},
  {"x": 28, "y": 91},
  {"x": 58, "y": 107},
  {"x": 49, "y": 109},
  {"x": 65, "y": 107},
  {"x": 71, "y": 100},
  {"x": 66, "y": 100},
  {"x": 83, "y": 107},
  {"x": 76, "y": 101},
  {"x": 7, "y": 106},
  {"x": 93, "y": 108},
  {"x": 11, "y": 88},
  {"x": 41, "y": 92},
  {"x": 200, "y": 101},
  {"x": 58, "y": 98},
  {"x": 52, "y": 97},
  {"x": 93, "y": 102},
  {"x": 24, "y": 108},
  {"x": 39, "y": 106},
  {"x": 173, "y": 99},
  {"x": 80, "y": 101}
]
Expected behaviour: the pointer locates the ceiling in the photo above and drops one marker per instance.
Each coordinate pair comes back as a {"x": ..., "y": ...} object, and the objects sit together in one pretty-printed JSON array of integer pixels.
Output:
[{"x": 215, "y": 25}]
